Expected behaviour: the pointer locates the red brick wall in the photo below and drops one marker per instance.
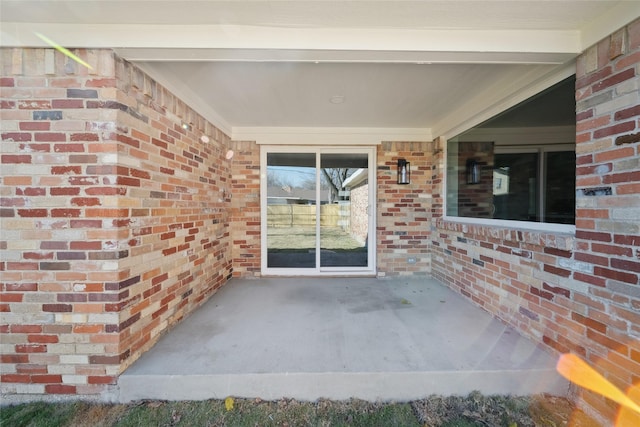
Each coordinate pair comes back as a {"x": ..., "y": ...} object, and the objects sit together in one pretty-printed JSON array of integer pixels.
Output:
[
  {"x": 245, "y": 209},
  {"x": 177, "y": 222},
  {"x": 110, "y": 213},
  {"x": 579, "y": 293},
  {"x": 403, "y": 211},
  {"x": 516, "y": 275},
  {"x": 60, "y": 229},
  {"x": 608, "y": 205}
]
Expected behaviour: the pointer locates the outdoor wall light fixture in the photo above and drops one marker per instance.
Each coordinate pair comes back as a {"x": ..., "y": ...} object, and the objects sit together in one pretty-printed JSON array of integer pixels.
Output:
[
  {"x": 404, "y": 172},
  {"x": 473, "y": 172}
]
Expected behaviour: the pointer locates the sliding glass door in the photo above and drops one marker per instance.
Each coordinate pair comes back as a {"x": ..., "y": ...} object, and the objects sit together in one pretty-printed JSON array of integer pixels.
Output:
[
  {"x": 344, "y": 221},
  {"x": 317, "y": 211},
  {"x": 291, "y": 210}
]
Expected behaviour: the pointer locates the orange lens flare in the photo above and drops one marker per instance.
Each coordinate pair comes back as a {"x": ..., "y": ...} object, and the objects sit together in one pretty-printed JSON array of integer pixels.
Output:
[{"x": 579, "y": 372}]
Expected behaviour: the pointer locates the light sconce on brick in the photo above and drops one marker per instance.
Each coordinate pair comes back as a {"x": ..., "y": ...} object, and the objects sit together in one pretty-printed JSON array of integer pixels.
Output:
[
  {"x": 404, "y": 172},
  {"x": 473, "y": 172}
]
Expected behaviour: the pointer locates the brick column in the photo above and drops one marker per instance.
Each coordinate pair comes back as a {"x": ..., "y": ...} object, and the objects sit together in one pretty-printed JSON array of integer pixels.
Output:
[
  {"x": 404, "y": 211},
  {"x": 60, "y": 223},
  {"x": 115, "y": 218},
  {"x": 608, "y": 208},
  {"x": 245, "y": 210}
]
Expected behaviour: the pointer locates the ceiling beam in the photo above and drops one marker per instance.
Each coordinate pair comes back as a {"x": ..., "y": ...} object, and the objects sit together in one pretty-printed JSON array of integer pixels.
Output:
[
  {"x": 339, "y": 56},
  {"x": 329, "y": 135},
  {"x": 277, "y": 38},
  {"x": 612, "y": 20}
]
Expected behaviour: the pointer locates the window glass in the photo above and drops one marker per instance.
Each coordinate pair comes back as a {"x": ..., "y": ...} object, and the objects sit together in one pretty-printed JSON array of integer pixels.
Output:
[
  {"x": 489, "y": 185},
  {"x": 515, "y": 186},
  {"x": 560, "y": 187},
  {"x": 470, "y": 179},
  {"x": 519, "y": 165}
]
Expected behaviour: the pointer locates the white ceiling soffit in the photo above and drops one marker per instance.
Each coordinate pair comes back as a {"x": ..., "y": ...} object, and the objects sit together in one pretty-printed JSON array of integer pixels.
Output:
[
  {"x": 267, "y": 70},
  {"x": 439, "y": 26},
  {"x": 320, "y": 13}
]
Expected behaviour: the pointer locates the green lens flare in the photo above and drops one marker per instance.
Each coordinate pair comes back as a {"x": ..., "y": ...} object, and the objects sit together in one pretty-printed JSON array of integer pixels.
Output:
[{"x": 63, "y": 50}]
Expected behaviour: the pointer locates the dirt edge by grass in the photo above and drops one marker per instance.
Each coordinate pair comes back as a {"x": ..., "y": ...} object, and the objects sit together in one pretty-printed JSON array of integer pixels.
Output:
[{"x": 447, "y": 411}]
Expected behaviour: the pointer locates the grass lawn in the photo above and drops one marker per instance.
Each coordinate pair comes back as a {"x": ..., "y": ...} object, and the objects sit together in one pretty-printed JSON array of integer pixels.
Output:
[
  {"x": 453, "y": 411},
  {"x": 298, "y": 237}
]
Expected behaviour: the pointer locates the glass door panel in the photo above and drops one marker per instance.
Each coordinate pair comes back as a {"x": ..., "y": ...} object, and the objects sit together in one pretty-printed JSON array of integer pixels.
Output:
[
  {"x": 291, "y": 210},
  {"x": 317, "y": 212},
  {"x": 344, "y": 209}
]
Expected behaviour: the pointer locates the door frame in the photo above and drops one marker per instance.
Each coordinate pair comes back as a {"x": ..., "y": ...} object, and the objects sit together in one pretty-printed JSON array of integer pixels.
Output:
[{"x": 370, "y": 269}]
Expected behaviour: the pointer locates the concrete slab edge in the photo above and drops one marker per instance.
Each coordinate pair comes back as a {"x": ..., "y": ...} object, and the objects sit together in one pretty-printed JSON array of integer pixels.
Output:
[{"x": 378, "y": 386}]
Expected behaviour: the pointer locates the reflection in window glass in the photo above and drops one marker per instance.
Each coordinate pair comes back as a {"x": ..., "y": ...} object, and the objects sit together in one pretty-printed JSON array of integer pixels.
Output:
[
  {"x": 516, "y": 197},
  {"x": 469, "y": 179},
  {"x": 560, "y": 187}
]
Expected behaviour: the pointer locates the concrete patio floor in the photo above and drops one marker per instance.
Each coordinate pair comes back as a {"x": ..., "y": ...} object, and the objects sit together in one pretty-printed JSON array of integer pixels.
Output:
[{"x": 308, "y": 338}]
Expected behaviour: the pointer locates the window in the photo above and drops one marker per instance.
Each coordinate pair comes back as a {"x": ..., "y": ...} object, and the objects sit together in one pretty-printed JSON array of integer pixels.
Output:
[{"x": 519, "y": 166}]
